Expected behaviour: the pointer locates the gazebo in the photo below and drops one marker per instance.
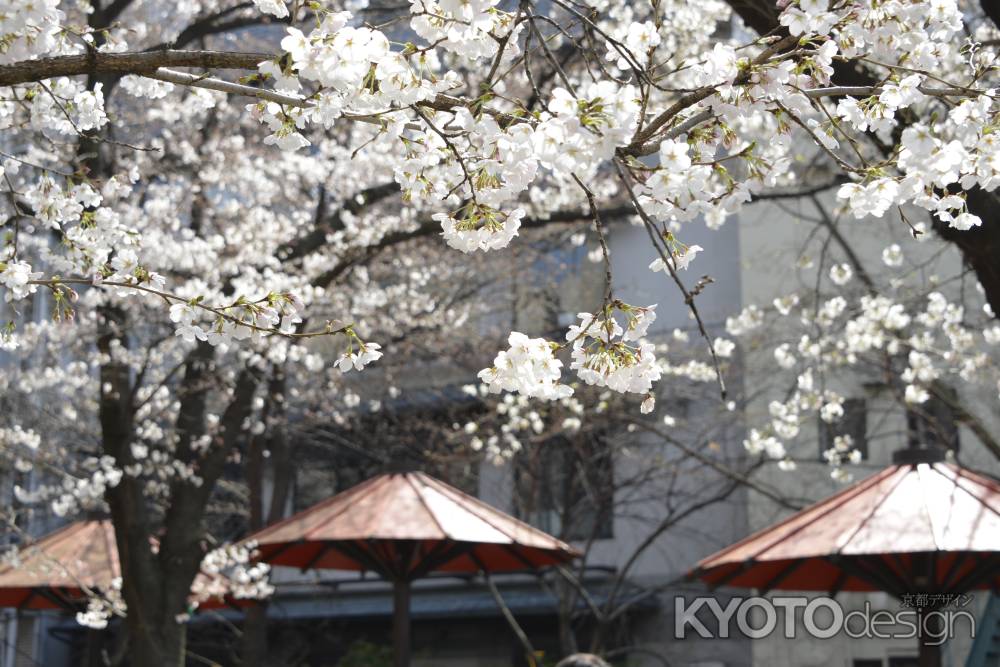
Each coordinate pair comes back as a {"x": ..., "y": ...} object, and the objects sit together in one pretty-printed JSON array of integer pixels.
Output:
[
  {"x": 922, "y": 527},
  {"x": 404, "y": 526}
]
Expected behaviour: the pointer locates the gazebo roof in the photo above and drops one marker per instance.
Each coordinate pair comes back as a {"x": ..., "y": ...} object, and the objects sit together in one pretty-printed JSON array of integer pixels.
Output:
[
  {"x": 876, "y": 531},
  {"x": 59, "y": 569},
  {"x": 406, "y": 525},
  {"x": 82, "y": 555}
]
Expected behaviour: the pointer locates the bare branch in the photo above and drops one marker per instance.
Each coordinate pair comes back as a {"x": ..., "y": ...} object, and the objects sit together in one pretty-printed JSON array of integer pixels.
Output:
[{"x": 29, "y": 71}]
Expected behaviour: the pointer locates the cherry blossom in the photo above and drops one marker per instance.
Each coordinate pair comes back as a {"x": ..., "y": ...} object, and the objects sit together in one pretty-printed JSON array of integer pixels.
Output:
[
  {"x": 367, "y": 353},
  {"x": 17, "y": 277},
  {"x": 527, "y": 367}
]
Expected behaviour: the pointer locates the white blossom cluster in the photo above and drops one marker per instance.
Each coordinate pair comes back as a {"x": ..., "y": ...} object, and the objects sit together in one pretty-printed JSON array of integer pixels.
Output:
[
  {"x": 366, "y": 353},
  {"x": 956, "y": 147},
  {"x": 522, "y": 419},
  {"x": 16, "y": 277},
  {"x": 528, "y": 367},
  {"x": 930, "y": 340},
  {"x": 76, "y": 493},
  {"x": 465, "y": 28},
  {"x": 68, "y": 108},
  {"x": 355, "y": 66},
  {"x": 229, "y": 571},
  {"x": 102, "y": 606},
  {"x": 29, "y": 29},
  {"x": 17, "y": 436},
  {"x": 606, "y": 354},
  {"x": 481, "y": 157},
  {"x": 842, "y": 453},
  {"x": 241, "y": 320}
]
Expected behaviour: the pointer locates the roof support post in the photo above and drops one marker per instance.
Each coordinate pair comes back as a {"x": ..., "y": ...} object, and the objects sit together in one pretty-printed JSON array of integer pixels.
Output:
[{"x": 401, "y": 622}]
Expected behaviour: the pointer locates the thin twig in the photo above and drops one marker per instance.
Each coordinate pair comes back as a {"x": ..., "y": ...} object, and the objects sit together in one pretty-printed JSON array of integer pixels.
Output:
[
  {"x": 668, "y": 262},
  {"x": 219, "y": 311},
  {"x": 598, "y": 227}
]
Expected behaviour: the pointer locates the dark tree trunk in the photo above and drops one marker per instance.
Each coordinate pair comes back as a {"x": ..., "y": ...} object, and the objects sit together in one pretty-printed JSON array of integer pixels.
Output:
[
  {"x": 281, "y": 460},
  {"x": 150, "y": 638},
  {"x": 156, "y": 586},
  {"x": 254, "y": 644},
  {"x": 92, "y": 648},
  {"x": 980, "y": 246},
  {"x": 159, "y": 647},
  {"x": 567, "y": 597}
]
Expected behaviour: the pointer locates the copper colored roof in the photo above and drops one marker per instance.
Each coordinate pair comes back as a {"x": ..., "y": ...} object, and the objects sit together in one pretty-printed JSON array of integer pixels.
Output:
[
  {"x": 405, "y": 525},
  {"x": 909, "y": 528},
  {"x": 57, "y": 570},
  {"x": 82, "y": 555}
]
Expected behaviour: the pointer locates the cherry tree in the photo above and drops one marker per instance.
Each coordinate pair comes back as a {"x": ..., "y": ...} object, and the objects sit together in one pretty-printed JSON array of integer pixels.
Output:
[{"x": 211, "y": 197}]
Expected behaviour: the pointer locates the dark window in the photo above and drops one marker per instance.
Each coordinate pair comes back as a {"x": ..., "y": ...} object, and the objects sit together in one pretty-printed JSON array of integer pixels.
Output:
[
  {"x": 678, "y": 407},
  {"x": 903, "y": 661},
  {"x": 867, "y": 662},
  {"x": 566, "y": 487},
  {"x": 932, "y": 423},
  {"x": 854, "y": 423}
]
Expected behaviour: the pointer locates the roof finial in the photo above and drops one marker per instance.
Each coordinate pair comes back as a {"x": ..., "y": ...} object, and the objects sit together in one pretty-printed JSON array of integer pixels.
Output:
[{"x": 914, "y": 454}]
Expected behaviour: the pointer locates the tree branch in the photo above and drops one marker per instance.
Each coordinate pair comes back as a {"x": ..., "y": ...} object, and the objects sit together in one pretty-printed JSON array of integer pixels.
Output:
[
  {"x": 429, "y": 227},
  {"x": 28, "y": 71}
]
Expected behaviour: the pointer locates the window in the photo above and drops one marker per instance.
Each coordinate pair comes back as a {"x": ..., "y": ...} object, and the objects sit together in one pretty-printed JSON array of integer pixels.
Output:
[
  {"x": 854, "y": 423},
  {"x": 867, "y": 662},
  {"x": 903, "y": 661},
  {"x": 566, "y": 487},
  {"x": 932, "y": 423}
]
